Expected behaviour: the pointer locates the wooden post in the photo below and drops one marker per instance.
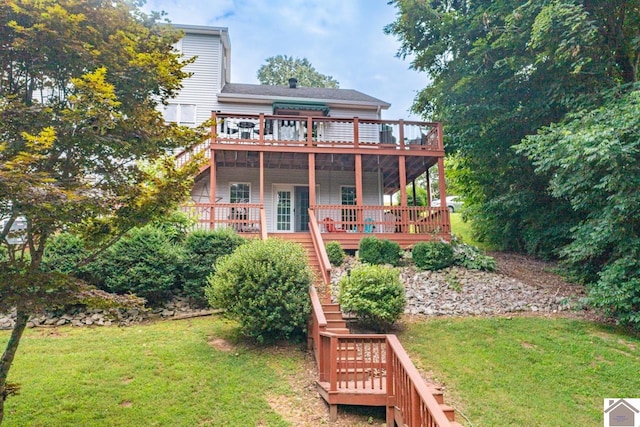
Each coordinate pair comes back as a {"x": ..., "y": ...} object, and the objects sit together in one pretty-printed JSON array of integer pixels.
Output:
[
  {"x": 356, "y": 132},
  {"x": 212, "y": 189},
  {"x": 402, "y": 171},
  {"x": 428, "y": 188},
  {"x": 261, "y": 156},
  {"x": 312, "y": 179},
  {"x": 261, "y": 129},
  {"x": 446, "y": 225},
  {"x": 309, "y": 131},
  {"x": 401, "y": 133},
  {"x": 359, "y": 194}
]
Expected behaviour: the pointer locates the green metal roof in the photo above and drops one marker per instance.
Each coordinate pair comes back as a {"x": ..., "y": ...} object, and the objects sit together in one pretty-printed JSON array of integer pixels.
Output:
[{"x": 308, "y": 106}]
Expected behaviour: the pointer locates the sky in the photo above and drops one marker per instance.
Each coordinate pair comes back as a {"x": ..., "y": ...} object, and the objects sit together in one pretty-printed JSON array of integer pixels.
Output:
[{"x": 341, "y": 38}]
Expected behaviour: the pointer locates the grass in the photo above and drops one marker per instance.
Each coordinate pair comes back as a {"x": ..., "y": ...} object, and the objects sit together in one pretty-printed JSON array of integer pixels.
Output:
[
  {"x": 463, "y": 229},
  {"x": 158, "y": 374},
  {"x": 527, "y": 371}
]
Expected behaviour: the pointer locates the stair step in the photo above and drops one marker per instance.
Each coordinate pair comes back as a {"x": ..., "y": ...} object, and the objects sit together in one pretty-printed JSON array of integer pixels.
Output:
[
  {"x": 333, "y": 315},
  {"x": 448, "y": 411},
  {"x": 339, "y": 330},
  {"x": 336, "y": 323}
]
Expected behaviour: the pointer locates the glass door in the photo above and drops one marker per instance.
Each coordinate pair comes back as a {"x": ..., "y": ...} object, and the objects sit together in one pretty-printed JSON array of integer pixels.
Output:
[
  {"x": 301, "y": 208},
  {"x": 284, "y": 208}
]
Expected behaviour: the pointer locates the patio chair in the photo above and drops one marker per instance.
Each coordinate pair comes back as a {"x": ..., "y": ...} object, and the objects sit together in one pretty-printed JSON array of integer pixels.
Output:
[{"x": 330, "y": 226}]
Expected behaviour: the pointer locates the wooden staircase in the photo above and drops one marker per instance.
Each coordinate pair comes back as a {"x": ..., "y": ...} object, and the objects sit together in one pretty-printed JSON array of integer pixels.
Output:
[{"x": 366, "y": 369}]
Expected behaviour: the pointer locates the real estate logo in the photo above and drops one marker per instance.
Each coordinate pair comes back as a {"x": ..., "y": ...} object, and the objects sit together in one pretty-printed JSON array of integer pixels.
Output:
[{"x": 621, "y": 412}]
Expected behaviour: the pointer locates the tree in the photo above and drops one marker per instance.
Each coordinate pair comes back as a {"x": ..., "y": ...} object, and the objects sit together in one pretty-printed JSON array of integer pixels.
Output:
[
  {"x": 82, "y": 145},
  {"x": 593, "y": 161},
  {"x": 280, "y": 68},
  {"x": 500, "y": 71}
]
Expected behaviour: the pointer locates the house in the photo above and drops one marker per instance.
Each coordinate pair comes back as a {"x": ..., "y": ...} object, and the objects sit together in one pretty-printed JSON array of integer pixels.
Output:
[
  {"x": 620, "y": 413},
  {"x": 312, "y": 165},
  {"x": 280, "y": 156}
]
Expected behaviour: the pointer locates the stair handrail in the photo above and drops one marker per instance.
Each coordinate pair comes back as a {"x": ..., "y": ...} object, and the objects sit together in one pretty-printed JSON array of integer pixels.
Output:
[
  {"x": 321, "y": 251},
  {"x": 318, "y": 323},
  {"x": 420, "y": 399}
]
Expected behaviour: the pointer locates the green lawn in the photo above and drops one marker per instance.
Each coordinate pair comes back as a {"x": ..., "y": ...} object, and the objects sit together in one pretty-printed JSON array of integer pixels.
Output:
[
  {"x": 524, "y": 371},
  {"x": 463, "y": 230},
  {"x": 161, "y": 374},
  {"x": 527, "y": 371}
]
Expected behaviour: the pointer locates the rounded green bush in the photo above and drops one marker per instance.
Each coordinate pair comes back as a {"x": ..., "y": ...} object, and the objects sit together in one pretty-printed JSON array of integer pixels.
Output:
[
  {"x": 335, "y": 253},
  {"x": 264, "y": 285},
  {"x": 63, "y": 253},
  {"x": 372, "y": 250},
  {"x": 202, "y": 248},
  {"x": 374, "y": 294},
  {"x": 432, "y": 255},
  {"x": 143, "y": 263}
]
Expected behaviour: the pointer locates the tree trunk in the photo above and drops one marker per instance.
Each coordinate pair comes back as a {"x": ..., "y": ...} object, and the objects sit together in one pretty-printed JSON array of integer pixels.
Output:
[{"x": 9, "y": 353}]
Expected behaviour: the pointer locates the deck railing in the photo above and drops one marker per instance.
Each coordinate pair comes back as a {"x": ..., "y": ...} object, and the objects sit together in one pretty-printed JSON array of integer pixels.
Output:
[
  {"x": 261, "y": 129},
  {"x": 242, "y": 217},
  {"x": 383, "y": 219}
]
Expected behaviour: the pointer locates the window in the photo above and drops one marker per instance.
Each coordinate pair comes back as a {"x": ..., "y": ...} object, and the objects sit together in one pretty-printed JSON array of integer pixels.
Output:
[
  {"x": 183, "y": 114},
  {"x": 348, "y": 216},
  {"x": 240, "y": 193},
  {"x": 348, "y": 195}
]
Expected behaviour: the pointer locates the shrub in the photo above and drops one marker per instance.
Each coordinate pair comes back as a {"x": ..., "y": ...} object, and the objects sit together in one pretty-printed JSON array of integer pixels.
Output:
[
  {"x": 63, "y": 253},
  {"x": 374, "y": 294},
  {"x": 144, "y": 263},
  {"x": 335, "y": 253},
  {"x": 175, "y": 226},
  {"x": 618, "y": 291},
  {"x": 432, "y": 255},
  {"x": 469, "y": 256},
  {"x": 202, "y": 248},
  {"x": 264, "y": 285},
  {"x": 375, "y": 251}
]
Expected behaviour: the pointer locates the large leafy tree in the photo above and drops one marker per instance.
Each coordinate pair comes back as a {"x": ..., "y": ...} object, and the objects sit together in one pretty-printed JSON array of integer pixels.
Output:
[
  {"x": 593, "y": 161},
  {"x": 501, "y": 70},
  {"x": 280, "y": 68},
  {"x": 82, "y": 145}
]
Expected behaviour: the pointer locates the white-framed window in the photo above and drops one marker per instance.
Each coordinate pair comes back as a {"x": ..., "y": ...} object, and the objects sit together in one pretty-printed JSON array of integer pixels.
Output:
[
  {"x": 182, "y": 114},
  {"x": 240, "y": 192}
]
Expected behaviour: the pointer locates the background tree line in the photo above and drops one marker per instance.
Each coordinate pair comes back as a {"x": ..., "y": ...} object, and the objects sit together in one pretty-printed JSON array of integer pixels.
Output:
[{"x": 540, "y": 101}]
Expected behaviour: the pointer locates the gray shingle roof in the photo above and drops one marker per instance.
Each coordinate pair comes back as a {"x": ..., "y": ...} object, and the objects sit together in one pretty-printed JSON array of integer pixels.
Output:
[{"x": 315, "y": 93}]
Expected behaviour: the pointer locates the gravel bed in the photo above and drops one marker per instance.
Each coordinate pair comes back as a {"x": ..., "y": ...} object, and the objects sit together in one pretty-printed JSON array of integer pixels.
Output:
[{"x": 456, "y": 291}]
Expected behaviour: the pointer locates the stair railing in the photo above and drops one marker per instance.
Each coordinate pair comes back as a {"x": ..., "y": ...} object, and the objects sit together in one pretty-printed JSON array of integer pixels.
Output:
[
  {"x": 318, "y": 324},
  {"x": 321, "y": 251},
  {"x": 414, "y": 405}
]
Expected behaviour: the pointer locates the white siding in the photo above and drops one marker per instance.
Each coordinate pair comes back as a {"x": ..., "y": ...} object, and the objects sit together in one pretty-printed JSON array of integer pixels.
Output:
[
  {"x": 203, "y": 86},
  {"x": 328, "y": 186}
]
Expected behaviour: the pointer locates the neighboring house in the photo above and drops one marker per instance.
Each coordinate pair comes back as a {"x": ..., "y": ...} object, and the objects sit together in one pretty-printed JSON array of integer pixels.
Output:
[{"x": 282, "y": 156}]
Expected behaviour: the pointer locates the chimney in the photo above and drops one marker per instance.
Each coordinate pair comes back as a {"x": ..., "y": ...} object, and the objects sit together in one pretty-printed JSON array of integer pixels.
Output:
[{"x": 293, "y": 83}]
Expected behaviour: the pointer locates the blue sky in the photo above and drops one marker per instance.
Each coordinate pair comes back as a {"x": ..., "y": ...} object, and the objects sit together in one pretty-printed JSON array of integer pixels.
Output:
[{"x": 341, "y": 38}]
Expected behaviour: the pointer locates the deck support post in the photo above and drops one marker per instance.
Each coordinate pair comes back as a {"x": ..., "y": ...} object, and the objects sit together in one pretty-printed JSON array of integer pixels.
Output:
[
  {"x": 312, "y": 179},
  {"x": 402, "y": 172},
  {"x": 333, "y": 413},
  {"x": 261, "y": 157},
  {"x": 212, "y": 189},
  {"x": 446, "y": 228},
  {"x": 359, "y": 193}
]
